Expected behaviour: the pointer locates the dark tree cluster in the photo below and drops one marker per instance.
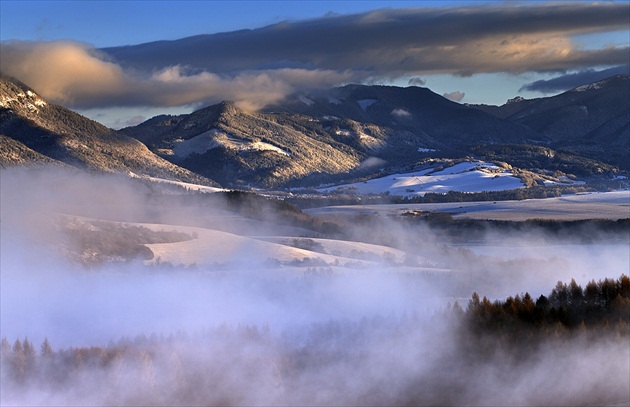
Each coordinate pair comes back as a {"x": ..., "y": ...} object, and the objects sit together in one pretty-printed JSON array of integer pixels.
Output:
[{"x": 600, "y": 306}]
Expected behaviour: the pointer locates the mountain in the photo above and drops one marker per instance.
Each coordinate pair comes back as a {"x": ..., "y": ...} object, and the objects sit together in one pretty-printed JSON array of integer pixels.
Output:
[
  {"x": 342, "y": 134},
  {"x": 434, "y": 120},
  {"x": 40, "y": 129},
  {"x": 592, "y": 120},
  {"x": 259, "y": 149},
  {"x": 13, "y": 153},
  {"x": 308, "y": 139}
]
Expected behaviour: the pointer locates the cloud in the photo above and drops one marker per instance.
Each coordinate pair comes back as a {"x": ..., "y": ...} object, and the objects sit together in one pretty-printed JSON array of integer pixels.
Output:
[
  {"x": 372, "y": 162},
  {"x": 416, "y": 81},
  {"x": 135, "y": 120},
  {"x": 573, "y": 80},
  {"x": 79, "y": 76},
  {"x": 401, "y": 113},
  {"x": 455, "y": 96},
  {"x": 461, "y": 40},
  {"x": 62, "y": 71},
  {"x": 261, "y": 66}
]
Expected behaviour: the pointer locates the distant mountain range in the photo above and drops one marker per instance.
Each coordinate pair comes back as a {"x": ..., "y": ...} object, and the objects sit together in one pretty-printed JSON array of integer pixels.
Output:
[
  {"x": 591, "y": 120},
  {"x": 349, "y": 132}
]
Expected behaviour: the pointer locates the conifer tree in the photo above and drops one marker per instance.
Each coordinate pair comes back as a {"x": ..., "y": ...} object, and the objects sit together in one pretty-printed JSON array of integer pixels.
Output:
[{"x": 45, "y": 349}]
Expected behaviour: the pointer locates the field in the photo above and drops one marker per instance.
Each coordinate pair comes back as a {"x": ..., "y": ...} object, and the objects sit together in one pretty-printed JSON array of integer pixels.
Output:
[{"x": 606, "y": 205}]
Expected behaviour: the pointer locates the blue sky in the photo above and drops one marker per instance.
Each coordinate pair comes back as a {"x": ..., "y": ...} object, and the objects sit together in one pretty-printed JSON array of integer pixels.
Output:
[
  {"x": 466, "y": 52},
  {"x": 113, "y": 23}
]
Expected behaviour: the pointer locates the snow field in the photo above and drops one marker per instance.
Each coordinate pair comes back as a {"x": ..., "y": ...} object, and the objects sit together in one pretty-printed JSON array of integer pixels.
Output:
[
  {"x": 475, "y": 176},
  {"x": 602, "y": 205}
]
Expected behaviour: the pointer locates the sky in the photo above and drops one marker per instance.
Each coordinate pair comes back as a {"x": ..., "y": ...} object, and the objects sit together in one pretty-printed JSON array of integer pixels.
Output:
[{"x": 87, "y": 55}]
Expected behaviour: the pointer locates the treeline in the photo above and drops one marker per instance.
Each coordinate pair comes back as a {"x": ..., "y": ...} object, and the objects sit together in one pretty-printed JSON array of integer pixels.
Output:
[
  {"x": 539, "y": 158},
  {"x": 248, "y": 364},
  {"x": 582, "y": 231},
  {"x": 600, "y": 307},
  {"x": 342, "y": 198}
]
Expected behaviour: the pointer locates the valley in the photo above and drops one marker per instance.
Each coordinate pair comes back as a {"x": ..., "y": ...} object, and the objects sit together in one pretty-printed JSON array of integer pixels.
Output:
[{"x": 308, "y": 247}]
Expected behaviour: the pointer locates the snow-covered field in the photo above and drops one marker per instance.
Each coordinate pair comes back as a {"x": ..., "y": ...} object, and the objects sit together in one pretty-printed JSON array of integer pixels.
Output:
[
  {"x": 604, "y": 205},
  {"x": 214, "y": 247},
  {"x": 475, "y": 176}
]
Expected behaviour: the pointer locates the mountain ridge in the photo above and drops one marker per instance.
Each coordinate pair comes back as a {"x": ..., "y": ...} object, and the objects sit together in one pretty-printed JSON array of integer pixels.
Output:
[
  {"x": 347, "y": 133},
  {"x": 368, "y": 128},
  {"x": 63, "y": 135}
]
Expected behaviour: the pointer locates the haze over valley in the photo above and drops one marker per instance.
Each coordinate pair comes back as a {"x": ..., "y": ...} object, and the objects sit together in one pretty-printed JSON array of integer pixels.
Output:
[{"x": 323, "y": 225}]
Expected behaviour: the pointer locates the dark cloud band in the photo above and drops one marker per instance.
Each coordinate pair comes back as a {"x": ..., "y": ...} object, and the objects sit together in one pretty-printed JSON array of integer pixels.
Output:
[
  {"x": 257, "y": 67},
  {"x": 387, "y": 41},
  {"x": 573, "y": 80}
]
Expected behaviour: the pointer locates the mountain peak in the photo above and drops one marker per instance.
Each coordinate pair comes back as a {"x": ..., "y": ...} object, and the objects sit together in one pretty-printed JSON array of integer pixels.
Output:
[
  {"x": 17, "y": 96},
  {"x": 515, "y": 100},
  {"x": 613, "y": 81}
]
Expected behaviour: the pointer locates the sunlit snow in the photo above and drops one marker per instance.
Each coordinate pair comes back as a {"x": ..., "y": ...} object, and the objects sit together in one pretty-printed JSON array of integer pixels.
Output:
[
  {"x": 305, "y": 100},
  {"x": 215, "y": 138},
  {"x": 473, "y": 176}
]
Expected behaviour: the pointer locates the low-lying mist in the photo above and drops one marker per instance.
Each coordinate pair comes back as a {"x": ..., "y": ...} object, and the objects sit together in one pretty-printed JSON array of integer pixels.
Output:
[{"x": 257, "y": 331}]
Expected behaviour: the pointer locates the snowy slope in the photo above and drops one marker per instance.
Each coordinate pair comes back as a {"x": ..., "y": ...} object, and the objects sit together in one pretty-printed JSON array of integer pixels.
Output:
[
  {"x": 215, "y": 138},
  {"x": 344, "y": 248},
  {"x": 475, "y": 176},
  {"x": 211, "y": 247}
]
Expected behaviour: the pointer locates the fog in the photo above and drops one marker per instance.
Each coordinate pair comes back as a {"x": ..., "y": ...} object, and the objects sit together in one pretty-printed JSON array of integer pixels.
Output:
[{"x": 256, "y": 332}]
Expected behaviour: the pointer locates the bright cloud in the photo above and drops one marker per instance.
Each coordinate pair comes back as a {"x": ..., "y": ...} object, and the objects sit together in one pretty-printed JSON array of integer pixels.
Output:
[
  {"x": 455, "y": 96},
  {"x": 401, "y": 113},
  {"x": 74, "y": 74}
]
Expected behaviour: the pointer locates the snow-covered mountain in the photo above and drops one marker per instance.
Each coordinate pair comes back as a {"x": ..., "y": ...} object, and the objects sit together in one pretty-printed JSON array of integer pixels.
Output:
[
  {"x": 340, "y": 135},
  {"x": 356, "y": 131},
  {"x": 38, "y": 131},
  {"x": 591, "y": 120}
]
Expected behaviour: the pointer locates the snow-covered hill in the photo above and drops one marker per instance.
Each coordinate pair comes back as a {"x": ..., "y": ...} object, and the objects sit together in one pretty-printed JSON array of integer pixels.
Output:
[{"x": 473, "y": 176}]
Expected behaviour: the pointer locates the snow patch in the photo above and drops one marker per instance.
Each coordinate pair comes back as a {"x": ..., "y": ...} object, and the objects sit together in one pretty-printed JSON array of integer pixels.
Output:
[
  {"x": 196, "y": 145},
  {"x": 215, "y": 138},
  {"x": 365, "y": 103},
  {"x": 305, "y": 100},
  {"x": 593, "y": 86},
  {"x": 262, "y": 146},
  {"x": 365, "y": 140}
]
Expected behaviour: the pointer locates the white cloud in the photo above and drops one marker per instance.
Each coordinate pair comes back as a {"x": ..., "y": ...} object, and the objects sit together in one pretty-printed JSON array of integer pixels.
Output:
[
  {"x": 455, "y": 96},
  {"x": 401, "y": 113}
]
